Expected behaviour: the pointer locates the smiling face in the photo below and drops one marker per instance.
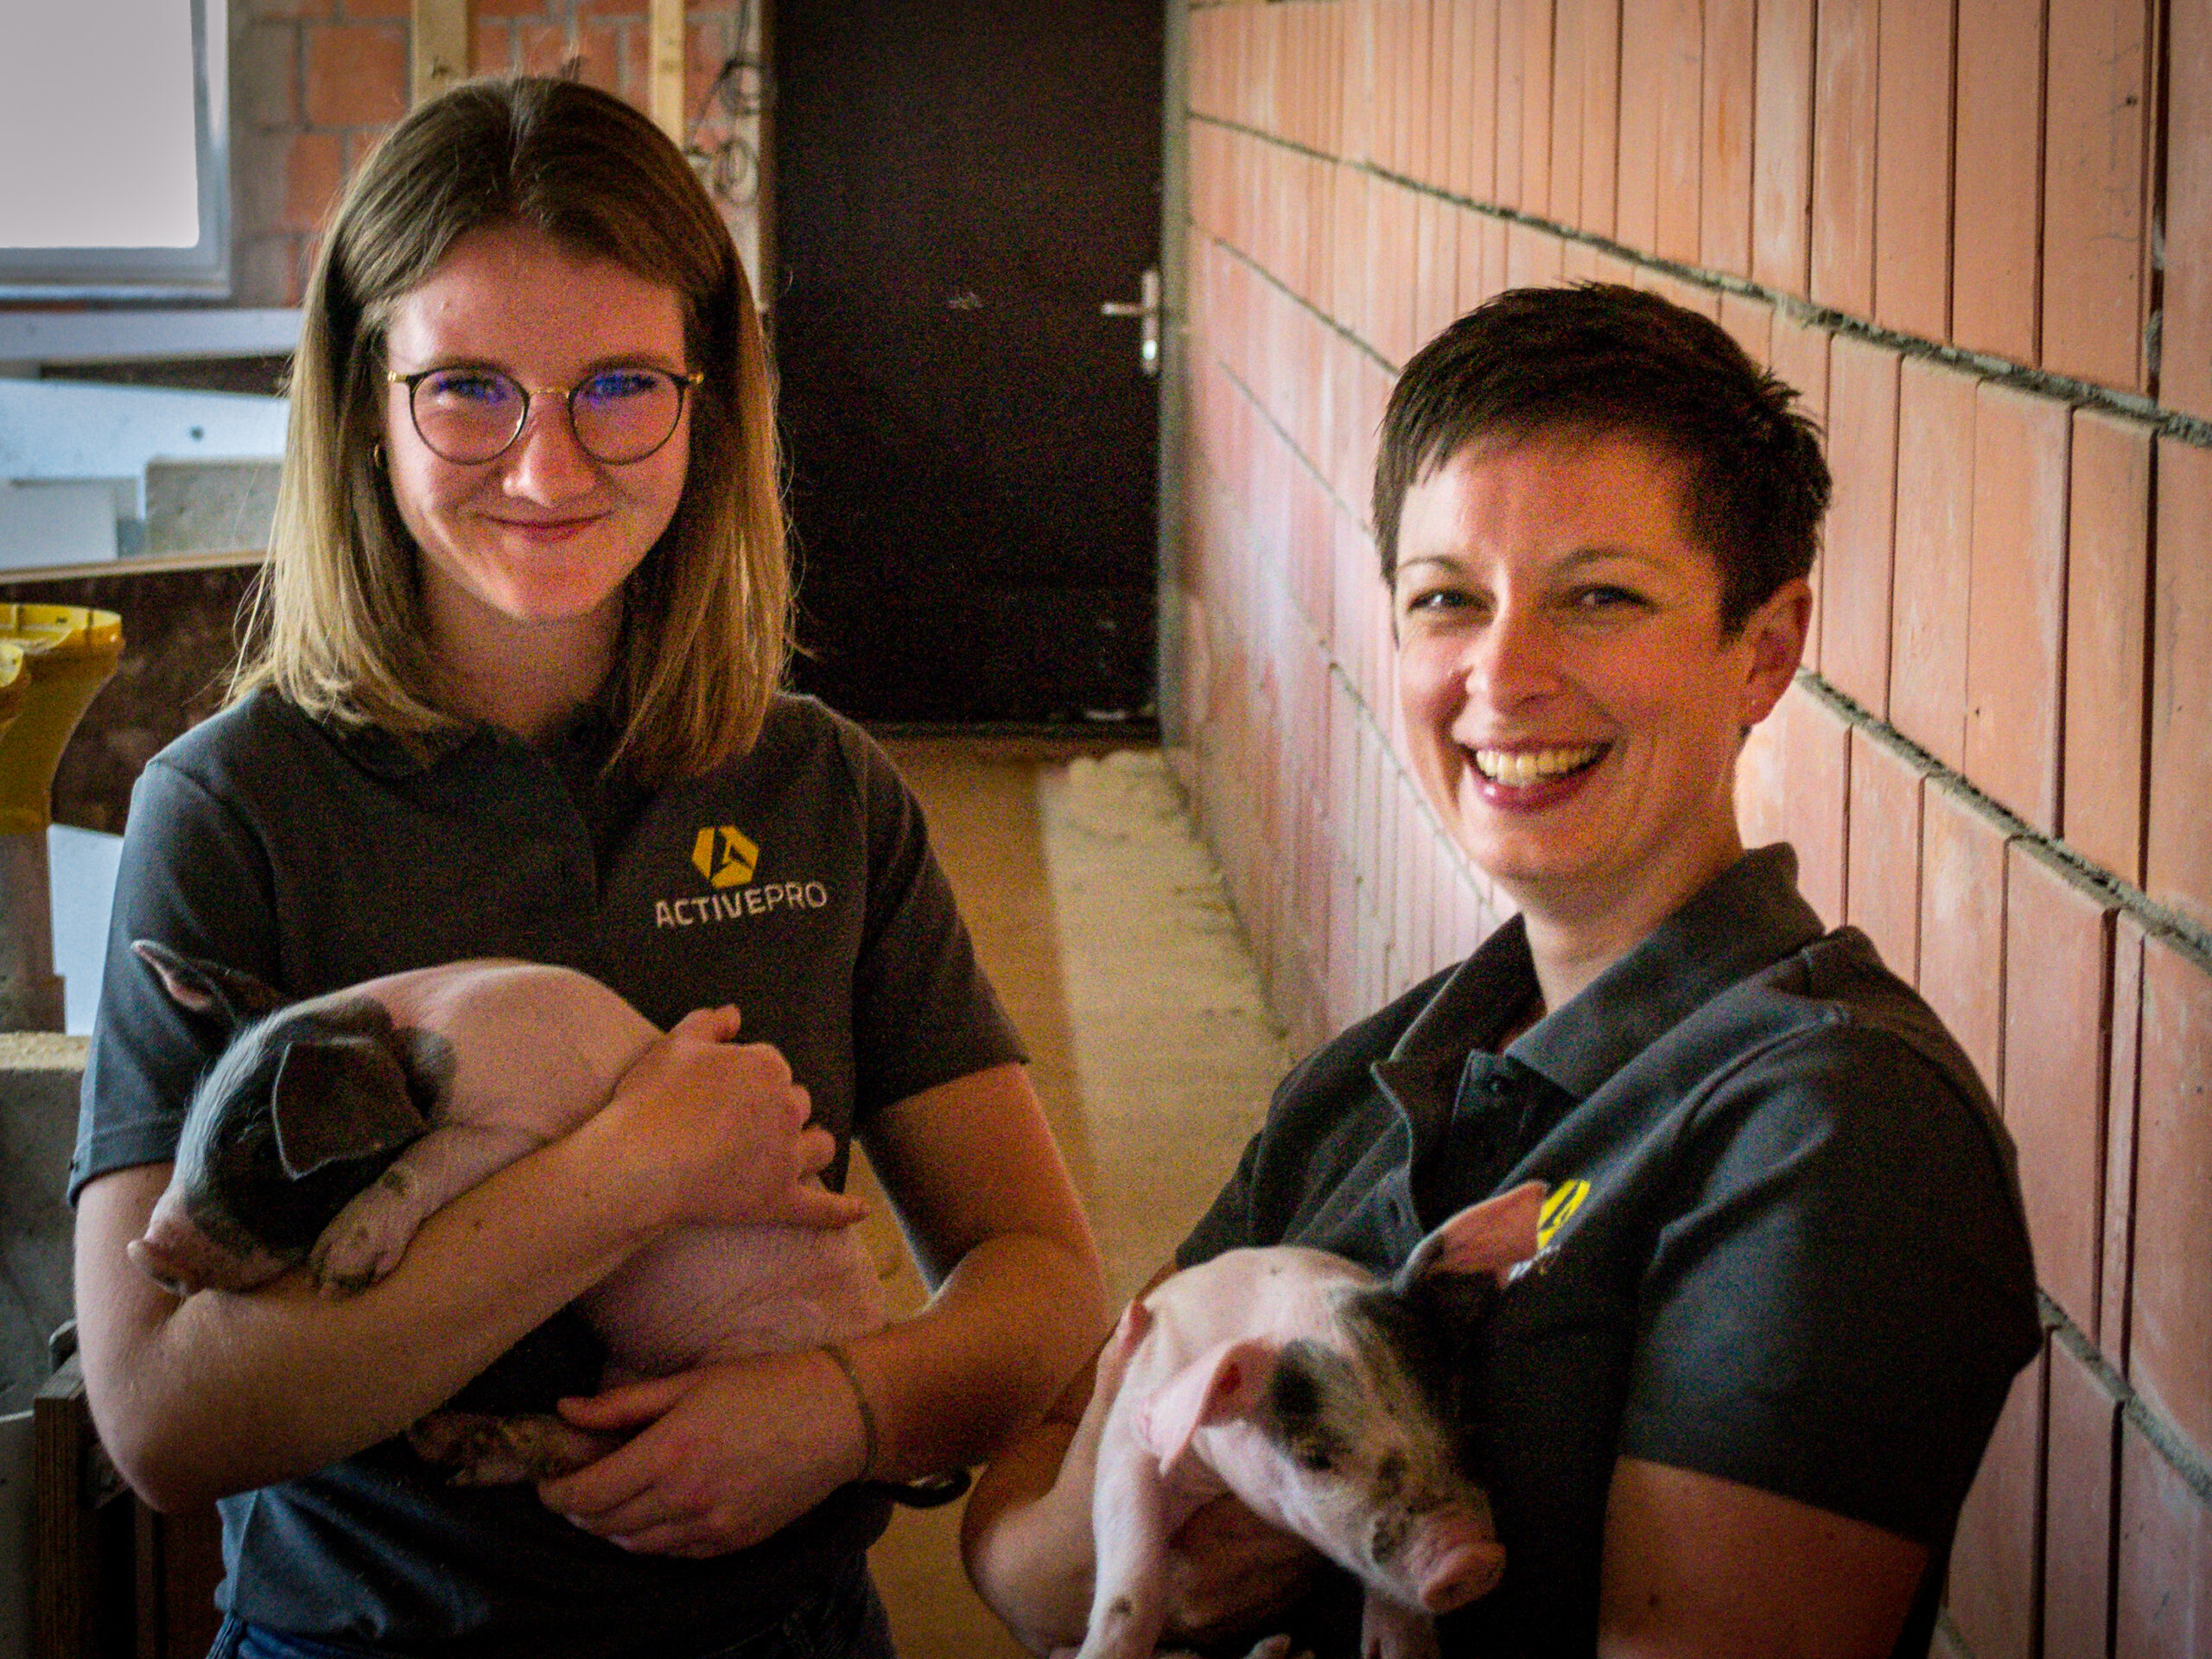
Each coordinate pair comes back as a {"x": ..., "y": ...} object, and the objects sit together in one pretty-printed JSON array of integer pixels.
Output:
[
  {"x": 537, "y": 543},
  {"x": 1571, "y": 704}
]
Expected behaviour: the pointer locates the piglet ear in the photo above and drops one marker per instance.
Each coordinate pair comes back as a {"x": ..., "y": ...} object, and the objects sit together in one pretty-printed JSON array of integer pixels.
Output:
[
  {"x": 1487, "y": 1237},
  {"x": 199, "y": 986},
  {"x": 1229, "y": 1380},
  {"x": 339, "y": 1098}
]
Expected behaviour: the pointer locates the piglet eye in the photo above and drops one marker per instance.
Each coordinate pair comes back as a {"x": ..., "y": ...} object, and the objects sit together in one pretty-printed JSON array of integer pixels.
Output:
[{"x": 1317, "y": 1453}]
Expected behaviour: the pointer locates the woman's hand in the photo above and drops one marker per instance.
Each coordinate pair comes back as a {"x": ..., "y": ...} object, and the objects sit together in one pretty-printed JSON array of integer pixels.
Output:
[
  {"x": 1229, "y": 1571},
  {"x": 716, "y": 1131},
  {"x": 723, "y": 1457}
]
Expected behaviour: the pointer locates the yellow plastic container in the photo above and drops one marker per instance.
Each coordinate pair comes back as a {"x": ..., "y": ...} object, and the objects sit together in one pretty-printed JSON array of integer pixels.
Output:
[{"x": 61, "y": 655}]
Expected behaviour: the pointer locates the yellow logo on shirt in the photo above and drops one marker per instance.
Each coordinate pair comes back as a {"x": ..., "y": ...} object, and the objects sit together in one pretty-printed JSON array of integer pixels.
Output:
[
  {"x": 1565, "y": 1199},
  {"x": 725, "y": 856}
]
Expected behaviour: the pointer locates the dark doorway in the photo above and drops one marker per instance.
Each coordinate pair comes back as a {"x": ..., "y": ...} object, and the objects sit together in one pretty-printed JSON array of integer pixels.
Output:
[{"x": 960, "y": 185}]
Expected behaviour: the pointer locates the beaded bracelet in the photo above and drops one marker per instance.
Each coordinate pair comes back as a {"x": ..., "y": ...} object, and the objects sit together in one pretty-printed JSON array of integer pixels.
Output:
[{"x": 868, "y": 1437}]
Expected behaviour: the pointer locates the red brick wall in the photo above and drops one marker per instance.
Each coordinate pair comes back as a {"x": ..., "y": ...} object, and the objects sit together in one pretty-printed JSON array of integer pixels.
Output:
[
  {"x": 315, "y": 82},
  {"x": 1999, "y": 761}
]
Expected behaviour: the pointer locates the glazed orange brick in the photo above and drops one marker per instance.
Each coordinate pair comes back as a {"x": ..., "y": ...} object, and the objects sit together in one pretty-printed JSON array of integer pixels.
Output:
[
  {"x": 1855, "y": 586},
  {"x": 1724, "y": 169},
  {"x": 1912, "y": 168},
  {"x": 1935, "y": 552},
  {"x": 1578, "y": 262},
  {"x": 2178, "y": 864},
  {"x": 1429, "y": 269},
  {"x": 1612, "y": 267},
  {"x": 1537, "y": 106},
  {"x": 1483, "y": 49},
  {"x": 1458, "y": 49},
  {"x": 2162, "y": 1592},
  {"x": 1564, "y": 204},
  {"x": 1817, "y": 784},
  {"x": 1494, "y": 254},
  {"x": 2096, "y": 217},
  {"x": 357, "y": 74},
  {"x": 2058, "y": 1031},
  {"x": 2080, "y": 1447},
  {"x": 1681, "y": 128},
  {"x": 1469, "y": 287},
  {"x": 1442, "y": 114},
  {"x": 1962, "y": 924},
  {"x": 1843, "y": 157},
  {"x": 1512, "y": 93},
  {"x": 2123, "y": 1076},
  {"x": 1600, "y": 27},
  {"x": 1997, "y": 188},
  {"x": 2185, "y": 355},
  {"x": 1751, "y": 322},
  {"x": 2170, "y": 1323},
  {"x": 1782, "y": 147},
  {"x": 2016, "y": 607},
  {"x": 1532, "y": 257},
  {"x": 1635, "y": 220},
  {"x": 2108, "y": 641},
  {"x": 1992, "y": 1587},
  {"x": 1882, "y": 877}
]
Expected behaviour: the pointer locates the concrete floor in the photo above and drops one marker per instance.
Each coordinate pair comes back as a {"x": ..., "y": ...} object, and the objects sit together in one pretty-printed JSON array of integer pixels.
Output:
[{"x": 1103, "y": 922}]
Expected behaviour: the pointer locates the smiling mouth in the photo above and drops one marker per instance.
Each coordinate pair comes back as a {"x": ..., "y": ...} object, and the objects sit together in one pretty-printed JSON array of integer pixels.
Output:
[{"x": 1518, "y": 768}]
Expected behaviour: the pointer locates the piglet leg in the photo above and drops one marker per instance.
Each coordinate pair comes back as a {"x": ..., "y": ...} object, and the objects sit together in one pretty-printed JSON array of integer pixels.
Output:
[
  {"x": 368, "y": 1237},
  {"x": 1129, "y": 1524},
  {"x": 1389, "y": 1631}
]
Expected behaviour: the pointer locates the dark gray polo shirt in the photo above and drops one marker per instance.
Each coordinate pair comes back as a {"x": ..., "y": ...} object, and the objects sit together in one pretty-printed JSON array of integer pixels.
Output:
[
  {"x": 1784, "y": 1245},
  {"x": 796, "y": 882}
]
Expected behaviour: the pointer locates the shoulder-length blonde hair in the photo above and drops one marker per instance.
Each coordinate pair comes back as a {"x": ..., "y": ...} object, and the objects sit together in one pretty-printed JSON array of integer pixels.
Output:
[{"x": 337, "y": 622}]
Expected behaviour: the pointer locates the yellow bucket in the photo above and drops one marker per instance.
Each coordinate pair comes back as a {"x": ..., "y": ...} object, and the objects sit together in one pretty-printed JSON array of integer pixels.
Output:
[{"x": 53, "y": 659}]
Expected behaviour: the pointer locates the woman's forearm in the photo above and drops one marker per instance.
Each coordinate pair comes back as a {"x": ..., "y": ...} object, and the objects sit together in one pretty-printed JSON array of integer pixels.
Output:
[
  {"x": 1027, "y": 1540},
  {"x": 1012, "y": 1323}
]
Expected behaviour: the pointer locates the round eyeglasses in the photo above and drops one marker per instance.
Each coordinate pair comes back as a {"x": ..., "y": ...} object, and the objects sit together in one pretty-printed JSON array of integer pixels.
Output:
[{"x": 470, "y": 415}]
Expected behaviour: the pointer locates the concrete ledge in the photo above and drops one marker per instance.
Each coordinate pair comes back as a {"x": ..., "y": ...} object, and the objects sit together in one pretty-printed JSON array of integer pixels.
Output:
[{"x": 39, "y": 1076}]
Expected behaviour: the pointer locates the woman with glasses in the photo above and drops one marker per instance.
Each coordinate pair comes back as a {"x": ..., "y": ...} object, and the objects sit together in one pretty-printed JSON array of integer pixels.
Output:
[{"x": 512, "y": 691}]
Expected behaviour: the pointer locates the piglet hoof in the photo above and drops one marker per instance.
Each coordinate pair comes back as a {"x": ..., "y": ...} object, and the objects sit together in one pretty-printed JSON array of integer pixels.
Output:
[{"x": 477, "y": 1449}]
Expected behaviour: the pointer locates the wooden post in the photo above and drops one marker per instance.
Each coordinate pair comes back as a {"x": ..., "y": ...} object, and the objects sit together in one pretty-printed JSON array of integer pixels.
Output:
[
  {"x": 440, "y": 54},
  {"x": 664, "y": 28}
]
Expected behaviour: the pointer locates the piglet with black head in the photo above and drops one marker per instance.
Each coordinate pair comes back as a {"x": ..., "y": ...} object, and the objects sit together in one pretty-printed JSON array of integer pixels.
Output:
[{"x": 1293, "y": 1379}]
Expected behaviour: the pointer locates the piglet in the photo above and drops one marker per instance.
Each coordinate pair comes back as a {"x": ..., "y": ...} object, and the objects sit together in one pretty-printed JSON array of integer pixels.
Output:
[
  {"x": 329, "y": 1130},
  {"x": 1296, "y": 1381}
]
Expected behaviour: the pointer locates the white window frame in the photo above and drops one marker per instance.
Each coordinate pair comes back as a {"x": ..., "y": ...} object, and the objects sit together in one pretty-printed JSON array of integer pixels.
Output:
[{"x": 201, "y": 271}]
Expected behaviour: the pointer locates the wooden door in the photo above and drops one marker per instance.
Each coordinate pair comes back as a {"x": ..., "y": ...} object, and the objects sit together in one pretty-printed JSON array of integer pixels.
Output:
[{"x": 961, "y": 185}]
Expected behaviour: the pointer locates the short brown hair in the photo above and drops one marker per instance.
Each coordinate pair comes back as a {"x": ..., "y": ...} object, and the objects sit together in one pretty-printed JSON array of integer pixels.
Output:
[
  {"x": 1601, "y": 359},
  {"x": 337, "y": 623}
]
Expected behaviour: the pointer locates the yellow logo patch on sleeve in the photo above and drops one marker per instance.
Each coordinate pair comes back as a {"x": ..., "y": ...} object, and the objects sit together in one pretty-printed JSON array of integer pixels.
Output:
[{"x": 1565, "y": 1199}]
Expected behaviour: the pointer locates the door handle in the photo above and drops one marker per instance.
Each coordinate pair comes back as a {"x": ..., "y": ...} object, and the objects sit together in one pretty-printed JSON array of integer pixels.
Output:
[{"x": 1148, "y": 308}]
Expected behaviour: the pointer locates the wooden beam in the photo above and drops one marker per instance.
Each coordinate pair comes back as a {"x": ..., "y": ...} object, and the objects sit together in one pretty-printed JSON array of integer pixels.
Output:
[
  {"x": 665, "y": 28},
  {"x": 441, "y": 51}
]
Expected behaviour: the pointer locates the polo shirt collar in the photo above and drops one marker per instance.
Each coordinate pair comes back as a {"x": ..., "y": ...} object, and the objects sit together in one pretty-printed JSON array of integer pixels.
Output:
[
  {"x": 585, "y": 743},
  {"x": 1743, "y": 921}
]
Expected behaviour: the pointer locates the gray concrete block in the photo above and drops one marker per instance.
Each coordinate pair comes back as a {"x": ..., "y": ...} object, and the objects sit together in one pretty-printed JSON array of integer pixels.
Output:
[
  {"x": 210, "y": 506},
  {"x": 40, "y": 1075}
]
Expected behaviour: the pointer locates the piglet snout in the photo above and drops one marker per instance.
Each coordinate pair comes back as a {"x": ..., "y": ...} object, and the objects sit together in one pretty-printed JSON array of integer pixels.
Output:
[
  {"x": 179, "y": 1256},
  {"x": 1455, "y": 1568}
]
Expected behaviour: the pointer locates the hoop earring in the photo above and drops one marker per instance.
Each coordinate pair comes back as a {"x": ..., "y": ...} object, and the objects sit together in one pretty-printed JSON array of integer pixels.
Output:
[{"x": 376, "y": 455}]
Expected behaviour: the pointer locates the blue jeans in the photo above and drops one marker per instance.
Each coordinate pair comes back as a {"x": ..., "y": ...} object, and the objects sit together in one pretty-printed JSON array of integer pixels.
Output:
[{"x": 844, "y": 1620}]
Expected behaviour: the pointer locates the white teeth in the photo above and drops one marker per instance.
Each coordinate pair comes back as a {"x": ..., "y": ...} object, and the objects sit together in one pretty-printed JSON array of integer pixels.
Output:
[{"x": 1521, "y": 767}]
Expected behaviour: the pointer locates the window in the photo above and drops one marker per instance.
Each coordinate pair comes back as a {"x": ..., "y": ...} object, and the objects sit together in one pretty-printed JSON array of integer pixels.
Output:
[{"x": 112, "y": 113}]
